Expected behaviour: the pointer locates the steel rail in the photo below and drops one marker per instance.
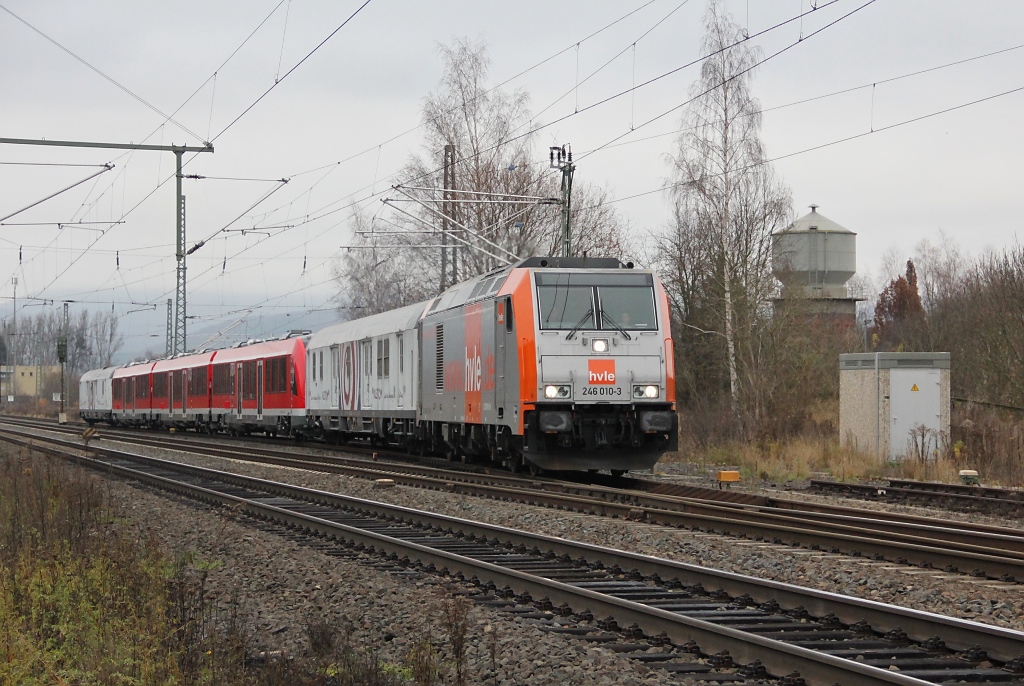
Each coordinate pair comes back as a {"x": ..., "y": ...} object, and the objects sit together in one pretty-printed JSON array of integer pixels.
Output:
[
  {"x": 858, "y": 536},
  {"x": 625, "y": 490},
  {"x": 936, "y": 494},
  {"x": 779, "y": 657}
]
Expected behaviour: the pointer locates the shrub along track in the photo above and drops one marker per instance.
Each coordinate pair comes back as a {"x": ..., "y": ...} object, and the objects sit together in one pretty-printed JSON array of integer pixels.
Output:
[
  {"x": 768, "y": 628},
  {"x": 981, "y": 550}
]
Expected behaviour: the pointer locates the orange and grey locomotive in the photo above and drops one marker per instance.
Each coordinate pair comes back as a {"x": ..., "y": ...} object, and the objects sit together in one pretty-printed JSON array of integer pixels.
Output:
[{"x": 550, "y": 363}]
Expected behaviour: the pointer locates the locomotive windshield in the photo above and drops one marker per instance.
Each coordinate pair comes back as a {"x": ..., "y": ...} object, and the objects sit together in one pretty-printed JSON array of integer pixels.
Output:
[{"x": 613, "y": 301}]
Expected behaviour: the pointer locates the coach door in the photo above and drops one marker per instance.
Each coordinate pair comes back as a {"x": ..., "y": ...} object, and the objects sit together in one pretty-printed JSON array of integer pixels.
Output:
[
  {"x": 129, "y": 395},
  {"x": 400, "y": 384},
  {"x": 184, "y": 390},
  {"x": 175, "y": 390},
  {"x": 367, "y": 399},
  {"x": 259, "y": 389},
  {"x": 335, "y": 378},
  {"x": 239, "y": 382}
]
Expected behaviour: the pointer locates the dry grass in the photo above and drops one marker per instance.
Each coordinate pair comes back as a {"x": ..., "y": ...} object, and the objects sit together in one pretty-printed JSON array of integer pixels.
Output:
[
  {"x": 786, "y": 460},
  {"x": 990, "y": 441},
  {"x": 801, "y": 458},
  {"x": 83, "y": 602}
]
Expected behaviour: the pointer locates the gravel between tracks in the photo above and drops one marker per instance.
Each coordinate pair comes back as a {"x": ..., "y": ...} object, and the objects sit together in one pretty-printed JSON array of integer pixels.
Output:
[{"x": 285, "y": 582}]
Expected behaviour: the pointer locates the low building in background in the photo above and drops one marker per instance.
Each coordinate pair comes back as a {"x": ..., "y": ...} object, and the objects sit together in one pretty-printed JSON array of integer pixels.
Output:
[{"x": 29, "y": 381}]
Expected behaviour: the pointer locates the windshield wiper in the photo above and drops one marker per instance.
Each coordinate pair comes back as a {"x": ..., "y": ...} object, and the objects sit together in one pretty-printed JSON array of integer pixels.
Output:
[
  {"x": 579, "y": 324},
  {"x": 605, "y": 317}
]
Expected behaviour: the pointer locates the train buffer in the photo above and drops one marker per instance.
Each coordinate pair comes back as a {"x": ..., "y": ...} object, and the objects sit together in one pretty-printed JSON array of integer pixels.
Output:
[{"x": 727, "y": 477}]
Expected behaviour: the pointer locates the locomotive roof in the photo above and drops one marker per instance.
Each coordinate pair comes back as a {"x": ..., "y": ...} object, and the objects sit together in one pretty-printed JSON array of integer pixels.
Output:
[
  {"x": 478, "y": 287},
  {"x": 572, "y": 263},
  {"x": 402, "y": 319},
  {"x": 490, "y": 283}
]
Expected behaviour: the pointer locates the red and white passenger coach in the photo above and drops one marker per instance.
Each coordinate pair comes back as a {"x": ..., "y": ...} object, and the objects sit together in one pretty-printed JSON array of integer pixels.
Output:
[{"x": 251, "y": 387}]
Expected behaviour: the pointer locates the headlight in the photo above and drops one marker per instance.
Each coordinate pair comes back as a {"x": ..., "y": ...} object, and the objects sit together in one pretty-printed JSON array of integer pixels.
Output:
[
  {"x": 599, "y": 345},
  {"x": 646, "y": 391},
  {"x": 553, "y": 392}
]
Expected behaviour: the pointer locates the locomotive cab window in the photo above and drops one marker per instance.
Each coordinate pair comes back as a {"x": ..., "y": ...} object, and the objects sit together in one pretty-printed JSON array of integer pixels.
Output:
[
  {"x": 596, "y": 301},
  {"x": 627, "y": 307},
  {"x": 564, "y": 306}
]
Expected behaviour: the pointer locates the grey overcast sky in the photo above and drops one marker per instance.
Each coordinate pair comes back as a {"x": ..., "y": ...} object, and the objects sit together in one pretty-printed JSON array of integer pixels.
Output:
[{"x": 346, "y": 119}]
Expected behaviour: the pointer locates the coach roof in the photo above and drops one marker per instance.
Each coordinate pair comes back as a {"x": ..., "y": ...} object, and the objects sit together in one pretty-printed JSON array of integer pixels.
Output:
[
  {"x": 402, "y": 319},
  {"x": 99, "y": 374}
]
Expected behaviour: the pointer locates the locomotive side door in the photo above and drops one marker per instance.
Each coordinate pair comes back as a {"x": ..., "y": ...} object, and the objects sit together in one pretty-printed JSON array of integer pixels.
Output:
[{"x": 504, "y": 340}]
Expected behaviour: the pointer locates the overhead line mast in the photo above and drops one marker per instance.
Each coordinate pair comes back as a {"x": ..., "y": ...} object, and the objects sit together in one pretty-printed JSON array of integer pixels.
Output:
[
  {"x": 561, "y": 159},
  {"x": 179, "y": 332}
]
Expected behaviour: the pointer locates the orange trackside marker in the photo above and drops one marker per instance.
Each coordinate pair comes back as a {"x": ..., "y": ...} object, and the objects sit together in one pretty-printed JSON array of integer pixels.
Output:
[{"x": 727, "y": 477}]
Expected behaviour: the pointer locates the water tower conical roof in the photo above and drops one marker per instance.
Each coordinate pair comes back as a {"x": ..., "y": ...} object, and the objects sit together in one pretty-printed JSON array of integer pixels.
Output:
[
  {"x": 815, "y": 254},
  {"x": 814, "y": 221}
]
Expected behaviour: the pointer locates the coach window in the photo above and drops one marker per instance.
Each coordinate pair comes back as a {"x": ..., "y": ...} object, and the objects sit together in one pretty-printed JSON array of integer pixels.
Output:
[
  {"x": 321, "y": 365},
  {"x": 383, "y": 358}
]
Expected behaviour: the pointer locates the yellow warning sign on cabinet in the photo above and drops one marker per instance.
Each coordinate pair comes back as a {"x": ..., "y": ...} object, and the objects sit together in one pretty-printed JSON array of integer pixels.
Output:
[{"x": 914, "y": 388}]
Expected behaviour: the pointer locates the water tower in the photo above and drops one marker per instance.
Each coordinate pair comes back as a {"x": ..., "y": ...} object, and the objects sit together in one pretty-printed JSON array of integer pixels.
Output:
[{"x": 813, "y": 258}]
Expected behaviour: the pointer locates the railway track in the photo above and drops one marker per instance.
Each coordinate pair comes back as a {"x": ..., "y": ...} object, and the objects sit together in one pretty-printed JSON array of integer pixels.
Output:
[
  {"x": 979, "y": 550},
  {"x": 762, "y": 628},
  {"x": 959, "y": 497}
]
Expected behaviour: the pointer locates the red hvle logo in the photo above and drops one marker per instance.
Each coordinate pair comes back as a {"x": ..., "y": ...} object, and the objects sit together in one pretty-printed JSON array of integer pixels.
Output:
[{"x": 601, "y": 371}]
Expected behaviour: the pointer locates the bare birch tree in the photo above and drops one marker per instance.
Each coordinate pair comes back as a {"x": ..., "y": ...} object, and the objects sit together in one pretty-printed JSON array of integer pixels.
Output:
[
  {"x": 728, "y": 203},
  {"x": 374, "y": 279},
  {"x": 495, "y": 153}
]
